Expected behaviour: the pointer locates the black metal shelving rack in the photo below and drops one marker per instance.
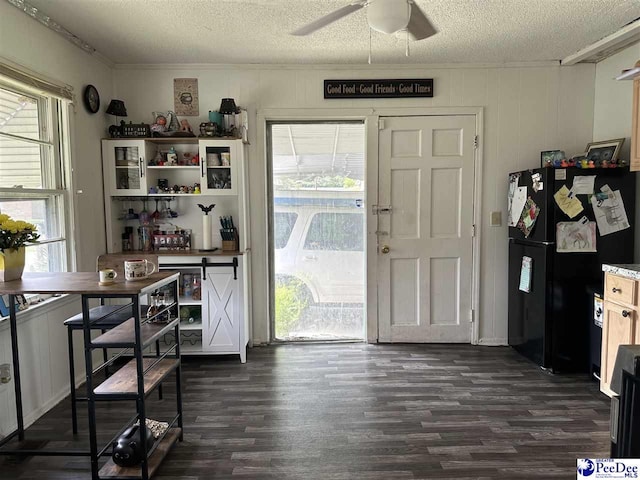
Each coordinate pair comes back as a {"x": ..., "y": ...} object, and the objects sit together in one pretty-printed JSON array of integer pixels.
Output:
[{"x": 134, "y": 381}]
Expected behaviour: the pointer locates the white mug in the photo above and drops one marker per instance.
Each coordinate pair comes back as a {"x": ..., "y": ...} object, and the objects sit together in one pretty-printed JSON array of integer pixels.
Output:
[
  {"x": 137, "y": 269},
  {"x": 107, "y": 276},
  {"x": 213, "y": 160}
]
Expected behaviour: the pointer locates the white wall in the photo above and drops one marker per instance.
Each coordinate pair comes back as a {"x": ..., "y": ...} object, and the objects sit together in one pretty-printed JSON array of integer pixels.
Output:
[
  {"x": 612, "y": 111},
  {"x": 26, "y": 42},
  {"x": 527, "y": 109},
  {"x": 41, "y": 332},
  {"x": 44, "y": 368}
]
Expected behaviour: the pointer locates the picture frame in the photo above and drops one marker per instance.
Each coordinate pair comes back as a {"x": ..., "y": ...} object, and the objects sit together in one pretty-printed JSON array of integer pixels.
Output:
[
  {"x": 21, "y": 304},
  {"x": 551, "y": 158},
  {"x": 604, "y": 151}
]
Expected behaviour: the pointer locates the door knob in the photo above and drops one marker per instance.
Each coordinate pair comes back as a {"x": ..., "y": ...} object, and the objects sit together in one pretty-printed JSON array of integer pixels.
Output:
[
  {"x": 626, "y": 313},
  {"x": 385, "y": 249}
]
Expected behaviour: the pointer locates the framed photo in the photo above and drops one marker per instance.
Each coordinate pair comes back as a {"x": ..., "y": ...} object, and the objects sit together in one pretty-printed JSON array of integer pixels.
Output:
[
  {"x": 606, "y": 151},
  {"x": 21, "y": 304},
  {"x": 551, "y": 158}
]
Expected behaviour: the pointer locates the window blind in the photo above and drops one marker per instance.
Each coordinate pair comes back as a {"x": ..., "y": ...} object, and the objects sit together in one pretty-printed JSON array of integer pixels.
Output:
[{"x": 16, "y": 75}]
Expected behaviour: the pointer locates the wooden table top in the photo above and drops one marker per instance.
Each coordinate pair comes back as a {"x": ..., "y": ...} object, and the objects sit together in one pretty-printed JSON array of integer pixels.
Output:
[{"x": 83, "y": 283}]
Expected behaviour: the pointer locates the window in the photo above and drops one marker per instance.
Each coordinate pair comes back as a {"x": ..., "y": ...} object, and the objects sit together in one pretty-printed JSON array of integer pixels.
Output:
[
  {"x": 284, "y": 222},
  {"x": 32, "y": 185},
  {"x": 335, "y": 231}
]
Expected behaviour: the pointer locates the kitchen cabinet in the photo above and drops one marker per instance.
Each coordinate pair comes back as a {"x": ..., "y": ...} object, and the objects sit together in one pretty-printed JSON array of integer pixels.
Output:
[
  {"x": 134, "y": 179},
  {"x": 220, "y": 160},
  {"x": 220, "y": 313},
  {"x": 620, "y": 318},
  {"x": 124, "y": 165}
]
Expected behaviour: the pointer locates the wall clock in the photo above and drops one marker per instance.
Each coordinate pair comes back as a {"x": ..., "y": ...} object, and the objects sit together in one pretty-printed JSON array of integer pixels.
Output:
[{"x": 91, "y": 99}]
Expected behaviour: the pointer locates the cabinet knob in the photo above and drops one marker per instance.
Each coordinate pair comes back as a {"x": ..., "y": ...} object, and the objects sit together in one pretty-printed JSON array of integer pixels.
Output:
[
  {"x": 616, "y": 290},
  {"x": 626, "y": 313}
]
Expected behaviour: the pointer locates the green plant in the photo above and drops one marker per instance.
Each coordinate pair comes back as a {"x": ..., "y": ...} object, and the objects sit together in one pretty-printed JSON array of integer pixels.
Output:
[{"x": 290, "y": 302}]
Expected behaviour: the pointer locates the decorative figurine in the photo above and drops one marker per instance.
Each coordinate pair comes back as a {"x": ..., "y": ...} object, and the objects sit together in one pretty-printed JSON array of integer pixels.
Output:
[
  {"x": 172, "y": 157},
  {"x": 172, "y": 125},
  {"x": 196, "y": 189},
  {"x": 185, "y": 127},
  {"x": 160, "y": 124}
]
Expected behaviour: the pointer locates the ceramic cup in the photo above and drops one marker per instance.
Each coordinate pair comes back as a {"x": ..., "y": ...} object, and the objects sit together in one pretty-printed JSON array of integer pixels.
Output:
[
  {"x": 138, "y": 269},
  {"x": 107, "y": 276},
  {"x": 213, "y": 160}
]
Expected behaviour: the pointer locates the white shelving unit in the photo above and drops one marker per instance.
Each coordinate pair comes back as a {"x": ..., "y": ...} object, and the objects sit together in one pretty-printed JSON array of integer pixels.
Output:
[{"x": 222, "y": 314}]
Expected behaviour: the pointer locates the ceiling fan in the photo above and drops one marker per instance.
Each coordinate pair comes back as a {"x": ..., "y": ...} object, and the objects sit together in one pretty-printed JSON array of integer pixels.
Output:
[{"x": 386, "y": 16}]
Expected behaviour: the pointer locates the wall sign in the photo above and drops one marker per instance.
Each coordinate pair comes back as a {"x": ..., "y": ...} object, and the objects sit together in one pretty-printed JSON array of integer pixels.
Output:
[{"x": 379, "y": 88}]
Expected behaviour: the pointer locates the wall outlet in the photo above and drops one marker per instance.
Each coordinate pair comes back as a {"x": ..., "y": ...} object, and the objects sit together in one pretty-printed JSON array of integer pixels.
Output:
[{"x": 496, "y": 219}]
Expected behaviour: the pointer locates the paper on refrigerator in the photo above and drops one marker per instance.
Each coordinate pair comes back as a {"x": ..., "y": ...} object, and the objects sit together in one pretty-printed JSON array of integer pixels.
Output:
[
  {"x": 569, "y": 205},
  {"x": 608, "y": 208},
  {"x": 583, "y": 185},
  {"x": 517, "y": 204},
  {"x": 575, "y": 237},
  {"x": 514, "y": 179}
]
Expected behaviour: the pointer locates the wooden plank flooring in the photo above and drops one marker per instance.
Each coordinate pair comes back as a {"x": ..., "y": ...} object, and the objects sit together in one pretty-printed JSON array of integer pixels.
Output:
[{"x": 363, "y": 412}]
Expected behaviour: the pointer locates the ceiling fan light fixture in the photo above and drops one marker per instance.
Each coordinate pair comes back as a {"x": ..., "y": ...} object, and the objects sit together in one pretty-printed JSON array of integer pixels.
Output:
[{"x": 388, "y": 16}]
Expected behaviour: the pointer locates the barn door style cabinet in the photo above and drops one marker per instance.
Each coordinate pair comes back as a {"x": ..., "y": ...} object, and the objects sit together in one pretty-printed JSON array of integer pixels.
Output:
[{"x": 214, "y": 305}]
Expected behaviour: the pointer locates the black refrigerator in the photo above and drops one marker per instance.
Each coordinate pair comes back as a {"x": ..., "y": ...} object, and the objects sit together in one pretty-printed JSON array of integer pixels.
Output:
[{"x": 549, "y": 323}]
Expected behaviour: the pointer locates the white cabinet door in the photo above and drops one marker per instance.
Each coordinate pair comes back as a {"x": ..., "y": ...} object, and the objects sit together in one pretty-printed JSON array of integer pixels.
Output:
[
  {"x": 219, "y": 166},
  {"x": 124, "y": 167},
  {"x": 222, "y": 313}
]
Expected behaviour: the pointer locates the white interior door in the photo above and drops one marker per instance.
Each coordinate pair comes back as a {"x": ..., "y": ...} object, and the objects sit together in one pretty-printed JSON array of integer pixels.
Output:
[{"x": 427, "y": 178}]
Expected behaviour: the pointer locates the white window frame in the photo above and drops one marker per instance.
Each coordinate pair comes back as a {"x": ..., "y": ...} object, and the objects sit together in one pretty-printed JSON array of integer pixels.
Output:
[{"x": 54, "y": 128}]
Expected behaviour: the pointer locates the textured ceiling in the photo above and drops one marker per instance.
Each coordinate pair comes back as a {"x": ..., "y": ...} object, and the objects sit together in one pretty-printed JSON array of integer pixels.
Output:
[{"x": 256, "y": 31}]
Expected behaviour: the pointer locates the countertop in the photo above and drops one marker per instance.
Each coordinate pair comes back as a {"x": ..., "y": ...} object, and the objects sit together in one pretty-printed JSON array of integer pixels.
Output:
[
  {"x": 628, "y": 270},
  {"x": 82, "y": 283}
]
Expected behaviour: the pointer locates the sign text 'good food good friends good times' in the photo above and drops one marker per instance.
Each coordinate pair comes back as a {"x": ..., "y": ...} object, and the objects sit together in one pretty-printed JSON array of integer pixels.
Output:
[{"x": 397, "y": 88}]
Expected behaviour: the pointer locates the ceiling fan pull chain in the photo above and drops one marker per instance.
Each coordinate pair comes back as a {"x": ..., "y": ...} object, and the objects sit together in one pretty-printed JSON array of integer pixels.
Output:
[{"x": 369, "y": 45}]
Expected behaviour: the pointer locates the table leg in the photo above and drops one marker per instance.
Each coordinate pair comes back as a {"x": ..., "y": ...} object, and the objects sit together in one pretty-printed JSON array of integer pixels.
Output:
[
  {"x": 16, "y": 365},
  {"x": 88, "y": 365}
]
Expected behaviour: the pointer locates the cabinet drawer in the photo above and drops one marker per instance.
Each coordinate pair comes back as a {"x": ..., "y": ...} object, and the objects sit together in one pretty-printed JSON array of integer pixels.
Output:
[{"x": 619, "y": 289}]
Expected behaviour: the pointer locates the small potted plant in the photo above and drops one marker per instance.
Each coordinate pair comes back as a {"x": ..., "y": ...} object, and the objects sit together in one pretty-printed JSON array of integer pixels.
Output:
[{"x": 14, "y": 235}]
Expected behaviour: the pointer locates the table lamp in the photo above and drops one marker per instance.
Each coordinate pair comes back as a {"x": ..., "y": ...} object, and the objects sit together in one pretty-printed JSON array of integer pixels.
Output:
[
  {"x": 227, "y": 109},
  {"x": 117, "y": 108}
]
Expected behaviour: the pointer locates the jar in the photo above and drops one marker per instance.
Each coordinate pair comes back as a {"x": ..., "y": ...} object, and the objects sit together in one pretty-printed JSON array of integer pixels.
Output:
[
  {"x": 126, "y": 244},
  {"x": 153, "y": 308},
  {"x": 196, "y": 293},
  {"x": 145, "y": 235}
]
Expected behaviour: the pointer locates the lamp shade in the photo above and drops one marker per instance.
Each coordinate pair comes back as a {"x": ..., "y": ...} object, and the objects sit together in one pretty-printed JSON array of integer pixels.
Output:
[
  {"x": 228, "y": 106},
  {"x": 117, "y": 108}
]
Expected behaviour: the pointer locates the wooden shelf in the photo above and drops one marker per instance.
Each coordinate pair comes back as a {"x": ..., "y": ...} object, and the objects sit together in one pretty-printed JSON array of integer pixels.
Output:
[
  {"x": 111, "y": 470},
  {"x": 173, "y": 167},
  {"x": 124, "y": 334},
  {"x": 125, "y": 380}
]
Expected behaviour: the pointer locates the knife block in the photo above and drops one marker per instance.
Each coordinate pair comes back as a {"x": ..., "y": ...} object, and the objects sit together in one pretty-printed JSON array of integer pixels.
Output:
[{"x": 231, "y": 245}]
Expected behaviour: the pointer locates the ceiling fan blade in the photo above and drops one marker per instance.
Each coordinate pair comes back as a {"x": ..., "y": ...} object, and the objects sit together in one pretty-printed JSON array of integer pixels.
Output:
[
  {"x": 327, "y": 19},
  {"x": 419, "y": 26}
]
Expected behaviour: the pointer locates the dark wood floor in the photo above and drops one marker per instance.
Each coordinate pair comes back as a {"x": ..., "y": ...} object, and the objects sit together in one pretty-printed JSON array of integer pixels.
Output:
[{"x": 355, "y": 411}]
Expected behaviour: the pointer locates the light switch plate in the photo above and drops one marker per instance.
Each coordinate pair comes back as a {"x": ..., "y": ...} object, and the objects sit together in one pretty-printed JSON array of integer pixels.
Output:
[{"x": 496, "y": 219}]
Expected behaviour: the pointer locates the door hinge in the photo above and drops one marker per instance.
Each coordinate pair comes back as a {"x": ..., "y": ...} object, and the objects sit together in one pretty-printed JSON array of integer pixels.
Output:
[
  {"x": 475, "y": 141},
  {"x": 472, "y": 315},
  {"x": 381, "y": 124}
]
